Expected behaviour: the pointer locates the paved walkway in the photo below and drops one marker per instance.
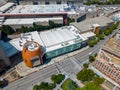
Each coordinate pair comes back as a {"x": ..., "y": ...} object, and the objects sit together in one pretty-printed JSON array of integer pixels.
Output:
[{"x": 23, "y": 70}]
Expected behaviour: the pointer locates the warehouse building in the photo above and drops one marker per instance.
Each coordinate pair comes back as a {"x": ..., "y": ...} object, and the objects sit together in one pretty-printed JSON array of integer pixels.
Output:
[
  {"x": 28, "y": 22},
  {"x": 26, "y": 15},
  {"x": 94, "y": 24},
  {"x": 53, "y": 42}
]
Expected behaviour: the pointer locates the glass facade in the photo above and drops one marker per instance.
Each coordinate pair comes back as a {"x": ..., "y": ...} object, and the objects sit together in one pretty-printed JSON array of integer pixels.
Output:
[{"x": 63, "y": 50}]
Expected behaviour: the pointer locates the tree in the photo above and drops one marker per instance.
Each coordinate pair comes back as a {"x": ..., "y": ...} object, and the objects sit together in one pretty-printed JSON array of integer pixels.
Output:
[
  {"x": 85, "y": 75},
  {"x": 57, "y": 78},
  {"x": 69, "y": 85},
  {"x": 100, "y": 36},
  {"x": 90, "y": 86},
  {"x": 7, "y": 29},
  {"x": 85, "y": 65},
  {"x": 36, "y": 87},
  {"x": 44, "y": 86},
  {"x": 95, "y": 55},
  {"x": 51, "y": 86},
  {"x": 70, "y": 20},
  {"x": 51, "y": 24},
  {"x": 97, "y": 80},
  {"x": 91, "y": 58},
  {"x": 92, "y": 42}
]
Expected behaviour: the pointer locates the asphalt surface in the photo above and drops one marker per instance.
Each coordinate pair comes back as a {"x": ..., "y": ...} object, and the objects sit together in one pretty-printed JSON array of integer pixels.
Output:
[{"x": 69, "y": 67}]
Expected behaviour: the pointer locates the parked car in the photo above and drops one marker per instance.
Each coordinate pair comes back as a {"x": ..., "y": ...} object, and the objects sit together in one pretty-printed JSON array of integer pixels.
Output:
[{"x": 3, "y": 83}]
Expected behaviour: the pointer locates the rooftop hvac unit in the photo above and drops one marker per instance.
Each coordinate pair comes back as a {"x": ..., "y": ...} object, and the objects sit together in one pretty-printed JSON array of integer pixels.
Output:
[
  {"x": 21, "y": 35},
  {"x": 76, "y": 32},
  {"x": 20, "y": 45}
]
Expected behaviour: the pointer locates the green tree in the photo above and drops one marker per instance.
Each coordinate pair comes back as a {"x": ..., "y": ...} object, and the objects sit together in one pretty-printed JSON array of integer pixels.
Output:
[
  {"x": 91, "y": 58},
  {"x": 70, "y": 20},
  {"x": 97, "y": 80},
  {"x": 91, "y": 86},
  {"x": 51, "y": 24},
  {"x": 85, "y": 75},
  {"x": 51, "y": 86},
  {"x": 57, "y": 78},
  {"x": 95, "y": 55},
  {"x": 36, "y": 87},
  {"x": 69, "y": 85},
  {"x": 44, "y": 86},
  {"x": 92, "y": 42},
  {"x": 7, "y": 29},
  {"x": 100, "y": 36},
  {"x": 85, "y": 65}
]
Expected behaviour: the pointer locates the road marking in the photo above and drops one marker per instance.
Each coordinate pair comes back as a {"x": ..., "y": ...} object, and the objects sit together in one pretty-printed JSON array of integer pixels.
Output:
[{"x": 24, "y": 83}]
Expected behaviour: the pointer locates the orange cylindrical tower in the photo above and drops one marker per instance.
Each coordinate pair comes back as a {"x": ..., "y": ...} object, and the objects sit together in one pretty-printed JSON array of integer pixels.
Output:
[{"x": 32, "y": 54}]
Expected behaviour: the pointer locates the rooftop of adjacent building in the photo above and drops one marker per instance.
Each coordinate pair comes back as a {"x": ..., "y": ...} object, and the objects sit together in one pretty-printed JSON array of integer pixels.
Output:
[
  {"x": 107, "y": 57},
  {"x": 7, "y": 48},
  {"x": 89, "y": 23},
  {"x": 40, "y": 9},
  {"x": 2, "y": 2},
  {"x": 112, "y": 50},
  {"x": 24, "y": 21}
]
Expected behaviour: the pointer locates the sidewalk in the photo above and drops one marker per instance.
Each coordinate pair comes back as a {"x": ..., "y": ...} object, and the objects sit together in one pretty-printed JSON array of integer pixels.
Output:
[{"x": 23, "y": 70}]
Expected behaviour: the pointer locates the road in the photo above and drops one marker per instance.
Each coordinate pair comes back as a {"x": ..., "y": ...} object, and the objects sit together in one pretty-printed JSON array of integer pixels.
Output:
[
  {"x": 31, "y": 79},
  {"x": 69, "y": 67},
  {"x": 85, "y": 54}
]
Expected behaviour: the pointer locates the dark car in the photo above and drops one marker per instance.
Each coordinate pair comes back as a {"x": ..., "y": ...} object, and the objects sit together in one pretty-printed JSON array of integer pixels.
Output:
[{"x": 3, "y": 83}]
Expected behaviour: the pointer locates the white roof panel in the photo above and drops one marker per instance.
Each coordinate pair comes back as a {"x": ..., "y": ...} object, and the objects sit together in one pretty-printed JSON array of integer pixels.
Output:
[
  {"x": 6, "y": 6},
  {"x": 51, "y": 39},
  {"x": 34, "y": 9},
  {"x": 88, "y": 34},
  {"x": 28, "y": 20}
]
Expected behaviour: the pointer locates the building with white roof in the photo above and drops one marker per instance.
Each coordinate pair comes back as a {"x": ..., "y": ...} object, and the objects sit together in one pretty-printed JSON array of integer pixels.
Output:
[
  {"x": 36, "y": 2},
  {"x": 27, "y": 12},
  {"x": 17, "y": 23},
  {"x": 2, "y": 2},
  {"x": 6, "y": 7},
  {"x": 53, "y": 42}
]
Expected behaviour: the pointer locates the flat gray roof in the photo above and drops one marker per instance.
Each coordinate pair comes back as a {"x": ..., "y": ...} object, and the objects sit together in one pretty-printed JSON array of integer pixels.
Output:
[{"x": 88, "y": 23}]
